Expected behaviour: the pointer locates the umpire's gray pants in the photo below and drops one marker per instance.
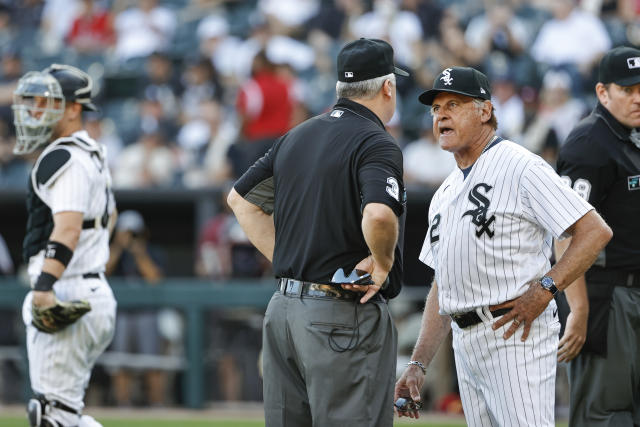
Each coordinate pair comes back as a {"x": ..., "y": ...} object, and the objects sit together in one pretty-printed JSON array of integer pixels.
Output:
[
  {"x": 307, "y": 383},
  {"x": 605, "y": 392}
]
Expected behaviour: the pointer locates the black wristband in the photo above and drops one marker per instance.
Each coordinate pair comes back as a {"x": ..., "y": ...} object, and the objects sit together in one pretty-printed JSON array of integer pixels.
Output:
[
  {"x": 45, "y": 282},
  {"x": 58, "y": 251}
]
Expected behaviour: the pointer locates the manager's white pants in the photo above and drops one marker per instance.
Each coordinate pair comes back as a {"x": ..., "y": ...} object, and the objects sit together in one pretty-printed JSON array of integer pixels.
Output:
[
  {"x": 508, "y": 383},
  {"x": 60, "y": 364}
]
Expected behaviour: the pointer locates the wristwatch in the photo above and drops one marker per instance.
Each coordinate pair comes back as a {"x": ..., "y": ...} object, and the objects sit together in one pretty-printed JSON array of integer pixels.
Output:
[{"x": 547, "y": 283}]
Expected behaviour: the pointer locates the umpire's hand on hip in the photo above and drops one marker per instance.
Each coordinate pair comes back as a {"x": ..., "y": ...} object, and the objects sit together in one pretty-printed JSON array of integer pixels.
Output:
[
  {"x": 524, "y": 310},
  {"x": 377, "y": 274}
]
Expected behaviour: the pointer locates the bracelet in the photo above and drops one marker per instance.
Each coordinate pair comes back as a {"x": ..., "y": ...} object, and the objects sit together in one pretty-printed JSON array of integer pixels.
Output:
[{"x": 419, "y": 365}]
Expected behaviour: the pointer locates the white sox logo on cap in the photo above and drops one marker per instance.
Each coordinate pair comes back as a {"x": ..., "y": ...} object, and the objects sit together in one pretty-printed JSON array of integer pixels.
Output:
[
  {"x": 633, "y": 62},
  {"x": 446, "y": 77}
]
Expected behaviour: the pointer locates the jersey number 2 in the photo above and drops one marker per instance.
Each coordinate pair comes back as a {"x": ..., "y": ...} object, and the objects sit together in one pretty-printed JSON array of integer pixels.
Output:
[{"x": 433, "y": 234}]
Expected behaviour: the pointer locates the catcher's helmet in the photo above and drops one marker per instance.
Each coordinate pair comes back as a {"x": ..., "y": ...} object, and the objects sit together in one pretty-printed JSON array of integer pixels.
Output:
[
  {"x": 76, "y": 84},
  {"x": 39, "y": 103}
]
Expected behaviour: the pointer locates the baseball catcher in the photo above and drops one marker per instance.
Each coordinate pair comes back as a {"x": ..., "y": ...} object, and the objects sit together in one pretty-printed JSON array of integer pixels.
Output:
[{"x": 70, "y": 313}]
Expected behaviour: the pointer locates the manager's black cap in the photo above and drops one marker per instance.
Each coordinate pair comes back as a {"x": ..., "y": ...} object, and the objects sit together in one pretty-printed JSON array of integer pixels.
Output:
[
  {"x": 366, "y": 59},
  {"x": 462, "y": 80},
  {"x": 621, "y": 66}
]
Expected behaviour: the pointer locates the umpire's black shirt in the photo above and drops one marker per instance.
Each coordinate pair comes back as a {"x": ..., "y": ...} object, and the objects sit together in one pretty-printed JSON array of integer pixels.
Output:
[
  {"x": 322, "y": 173},
  {"x": 604, "y": 167}
]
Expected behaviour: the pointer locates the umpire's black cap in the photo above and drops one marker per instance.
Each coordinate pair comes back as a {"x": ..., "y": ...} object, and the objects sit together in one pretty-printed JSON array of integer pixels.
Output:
[
  {"x": 621, "y": 66},
  {"x": 366, "y": 59},
  {"x": 462, "y": 80},
  {"x": 76, "y": 85}
]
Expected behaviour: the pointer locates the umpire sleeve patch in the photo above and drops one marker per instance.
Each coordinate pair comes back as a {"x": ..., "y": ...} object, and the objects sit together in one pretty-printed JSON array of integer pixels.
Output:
[
  {"x": 52, "y": 165},
  {"x": 262, "y": 195}
]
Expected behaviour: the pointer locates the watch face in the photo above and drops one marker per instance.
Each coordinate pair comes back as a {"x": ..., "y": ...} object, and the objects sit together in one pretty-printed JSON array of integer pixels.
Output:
[{"x": 546, "y": 282}]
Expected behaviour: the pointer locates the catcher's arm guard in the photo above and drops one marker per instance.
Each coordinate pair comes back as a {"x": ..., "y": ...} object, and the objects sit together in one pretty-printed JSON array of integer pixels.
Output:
[{"x": 58, "y": 317}]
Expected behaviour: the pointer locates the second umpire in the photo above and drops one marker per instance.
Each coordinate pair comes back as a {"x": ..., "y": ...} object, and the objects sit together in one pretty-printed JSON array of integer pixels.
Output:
[
  {"x": 328, "y": 196},
  {"x": 601, "y": 159}
]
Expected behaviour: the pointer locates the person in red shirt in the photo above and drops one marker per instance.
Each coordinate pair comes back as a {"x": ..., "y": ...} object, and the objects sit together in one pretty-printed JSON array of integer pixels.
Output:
[
  {"x": 265, "y": 106},
  {"x": 92, "y": 30}
]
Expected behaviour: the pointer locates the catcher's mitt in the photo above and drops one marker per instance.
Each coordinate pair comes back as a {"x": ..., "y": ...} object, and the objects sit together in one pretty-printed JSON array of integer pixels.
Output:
[{"x": 58, "y": 317}]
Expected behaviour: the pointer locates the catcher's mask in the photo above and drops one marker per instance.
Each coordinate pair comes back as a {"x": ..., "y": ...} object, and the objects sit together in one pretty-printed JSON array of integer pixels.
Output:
[
  {"x": 39, "y": 102},
  {"x": 38, "y": 105}
]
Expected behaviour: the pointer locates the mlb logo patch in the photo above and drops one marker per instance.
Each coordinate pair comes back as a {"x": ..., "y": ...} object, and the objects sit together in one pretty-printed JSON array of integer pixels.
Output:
[
  {"x": 348, "y": 74},
  {"x": 633, "y": 62},
  {"x": 337, "y": 113},
  {"x": 633, "y": 182}
]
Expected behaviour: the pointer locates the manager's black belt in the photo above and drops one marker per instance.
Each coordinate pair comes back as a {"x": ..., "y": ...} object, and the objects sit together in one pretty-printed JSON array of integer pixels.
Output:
[
  {"x": 92, "y": 275},
  {"x": 464, "y": 320},
  {"x": 630, "y": 279},
  {"x": 317, "y": 290}
]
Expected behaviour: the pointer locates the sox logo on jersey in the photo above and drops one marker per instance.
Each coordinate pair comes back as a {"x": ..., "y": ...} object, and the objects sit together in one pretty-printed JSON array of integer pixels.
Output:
[{"x": 479, "y": 214}]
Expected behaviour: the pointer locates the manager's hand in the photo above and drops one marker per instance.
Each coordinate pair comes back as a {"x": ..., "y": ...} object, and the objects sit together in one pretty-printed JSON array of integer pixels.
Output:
[
  {"x": 524, "y": 310},
  {"x": 409, "y": 386}
]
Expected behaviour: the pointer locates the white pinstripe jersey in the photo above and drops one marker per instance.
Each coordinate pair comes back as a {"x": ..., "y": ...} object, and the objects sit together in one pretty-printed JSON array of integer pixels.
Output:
[
  {"x": 81, "y": 185},
  {"x": 491, "y": 232}
]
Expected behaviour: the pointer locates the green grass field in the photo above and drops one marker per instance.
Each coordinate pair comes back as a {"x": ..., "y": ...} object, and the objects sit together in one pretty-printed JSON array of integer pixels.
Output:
[{"x": 122, "y": 422}]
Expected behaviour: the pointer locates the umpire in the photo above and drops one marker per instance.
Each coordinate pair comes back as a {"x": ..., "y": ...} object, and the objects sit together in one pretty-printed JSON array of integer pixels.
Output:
[
  {"x": 328, "y": 200},
  {"x": 601, "y": 158}
]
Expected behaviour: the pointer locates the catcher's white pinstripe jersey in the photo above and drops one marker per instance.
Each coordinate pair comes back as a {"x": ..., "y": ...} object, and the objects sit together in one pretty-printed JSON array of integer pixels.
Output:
[
  {"x": 81, "y": 185},
  {"x": 491, "y": 232},
  {"x": 60, "y": 364}
]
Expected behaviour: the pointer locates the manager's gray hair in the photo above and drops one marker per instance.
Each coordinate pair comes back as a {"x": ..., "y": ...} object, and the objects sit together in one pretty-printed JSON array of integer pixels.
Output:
[{"x": 365, "y": 89}]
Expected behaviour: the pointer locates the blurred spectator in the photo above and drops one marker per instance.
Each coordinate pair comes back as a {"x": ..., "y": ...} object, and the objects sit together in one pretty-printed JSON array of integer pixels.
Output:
[
  {"x": 205, "y": 140},
  {"x": 333, "y": 17},
  {"x": 424, "y": 161},
  {"x": 143, "y": 30},
  {"x": 265, "y": 107},
  {"x": 558, "y": 113},
  {"x": 92, "y": 29},
  {"x": 137, "y": 331},
  {"x": 104, "y": 131},
  {"x": 224, "y": 252},
  {"x": 497, "y": 29},
  {"x": 7, "y": 32},
  {"x": 509, "y": 108},
  {"x": 11, "y": 71},
  {"x": 286, "y": 17},
  {"x": 573, "y": 37},
  {"x": 230, "y": 56},
  {"x": 57, "y": 19},
  {"x": 161, "y": 83},
  {"x": 201, "y": 83},
  {"x": 26, "y": 16},
  {"x": 146, "y": 163},
  {"x": 402, "y": 28}
]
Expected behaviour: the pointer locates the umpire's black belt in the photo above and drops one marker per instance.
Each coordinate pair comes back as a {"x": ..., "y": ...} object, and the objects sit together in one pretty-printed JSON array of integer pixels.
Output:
[
  {"x": 629, "y": 279},
  {"x": 464, "y": 320},
  {"x": 299, "y": 288}
]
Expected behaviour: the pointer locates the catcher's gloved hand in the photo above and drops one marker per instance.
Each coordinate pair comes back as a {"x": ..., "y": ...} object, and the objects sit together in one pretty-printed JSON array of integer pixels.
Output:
[{"x": 58, "y": 317}]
